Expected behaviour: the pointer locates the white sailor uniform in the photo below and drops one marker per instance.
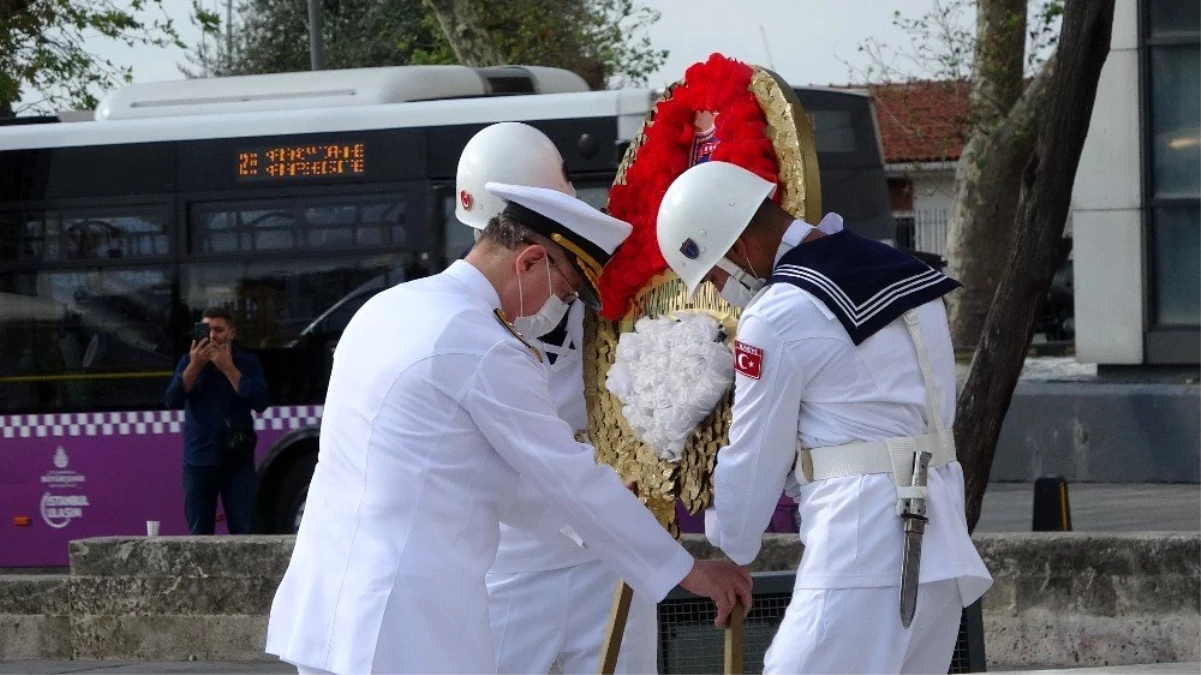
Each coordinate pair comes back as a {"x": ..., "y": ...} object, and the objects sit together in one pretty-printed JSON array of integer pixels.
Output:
[
  {"x": 831, "y": 368},
  {"x": 549, "y": 595},
  {"x": 434, "y": 408}
]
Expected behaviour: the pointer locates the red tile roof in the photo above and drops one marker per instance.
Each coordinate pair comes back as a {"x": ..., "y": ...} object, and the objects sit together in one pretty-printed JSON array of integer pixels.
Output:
[{"x": 921, "y": 121}]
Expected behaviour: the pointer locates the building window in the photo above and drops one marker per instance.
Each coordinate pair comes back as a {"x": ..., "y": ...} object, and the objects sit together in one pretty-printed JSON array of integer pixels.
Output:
[{"x": 1172, "y": 128}]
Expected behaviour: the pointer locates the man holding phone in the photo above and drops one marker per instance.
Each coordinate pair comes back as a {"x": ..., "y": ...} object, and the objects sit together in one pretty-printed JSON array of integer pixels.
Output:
[{"x": 217, "y": 384}]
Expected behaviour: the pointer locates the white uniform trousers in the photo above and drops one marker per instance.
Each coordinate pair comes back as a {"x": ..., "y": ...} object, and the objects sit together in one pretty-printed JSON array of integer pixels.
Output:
[
  {"x": 858, "y": 630},
  {"x": 558, "y": 618}
]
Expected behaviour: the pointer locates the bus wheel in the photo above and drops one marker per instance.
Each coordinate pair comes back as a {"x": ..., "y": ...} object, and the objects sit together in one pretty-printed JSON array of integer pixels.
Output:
[{"x": 293, "y": 493}]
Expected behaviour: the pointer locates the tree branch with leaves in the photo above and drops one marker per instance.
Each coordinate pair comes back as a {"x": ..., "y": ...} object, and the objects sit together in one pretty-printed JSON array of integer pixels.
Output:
[
  {"x": 604, "y": 41},
  {"x": 46, "y": 63}
]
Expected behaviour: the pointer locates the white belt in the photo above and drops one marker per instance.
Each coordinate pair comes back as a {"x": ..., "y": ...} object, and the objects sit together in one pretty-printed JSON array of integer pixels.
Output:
[{"x": 893, "y": 456}]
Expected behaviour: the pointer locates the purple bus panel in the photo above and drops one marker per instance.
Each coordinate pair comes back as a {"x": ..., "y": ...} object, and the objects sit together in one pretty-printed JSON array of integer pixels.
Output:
[
  {"x": 783, "y": 519},
  {"x": 76, "y": 475}
]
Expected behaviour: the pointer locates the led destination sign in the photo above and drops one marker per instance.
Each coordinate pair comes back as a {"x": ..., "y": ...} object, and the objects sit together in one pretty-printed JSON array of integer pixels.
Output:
[{"x": 282, "y": 162}]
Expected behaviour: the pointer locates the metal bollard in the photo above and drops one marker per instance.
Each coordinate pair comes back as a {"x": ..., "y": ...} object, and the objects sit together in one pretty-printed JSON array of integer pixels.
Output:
[{"x": 1052, "y": 512}]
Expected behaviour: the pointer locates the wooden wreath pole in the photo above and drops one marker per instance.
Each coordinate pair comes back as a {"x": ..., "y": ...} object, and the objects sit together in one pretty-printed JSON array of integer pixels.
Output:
[
  {"x": 611, "y": 647},
  {"x": 734, "y": 640}
]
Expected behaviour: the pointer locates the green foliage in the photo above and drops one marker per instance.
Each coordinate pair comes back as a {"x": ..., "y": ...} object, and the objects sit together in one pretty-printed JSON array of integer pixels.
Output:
[
  {"x": 44, "y": 61},
  {"x": 270, "y": 36},
  {"x": 617, "y": 34}
]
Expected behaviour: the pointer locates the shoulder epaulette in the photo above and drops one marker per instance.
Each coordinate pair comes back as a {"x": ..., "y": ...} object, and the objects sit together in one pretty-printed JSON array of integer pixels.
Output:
[{"x": 500, "y": 316}]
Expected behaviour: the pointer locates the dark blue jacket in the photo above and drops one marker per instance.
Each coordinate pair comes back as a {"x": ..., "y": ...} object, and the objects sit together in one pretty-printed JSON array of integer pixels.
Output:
[{"x": 212, "y": 401}]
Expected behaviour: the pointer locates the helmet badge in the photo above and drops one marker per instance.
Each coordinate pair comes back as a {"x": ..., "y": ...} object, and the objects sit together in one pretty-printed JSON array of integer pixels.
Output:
[
  {"x": 690, "y": 249},
  {"x": 465, "y": 199}
]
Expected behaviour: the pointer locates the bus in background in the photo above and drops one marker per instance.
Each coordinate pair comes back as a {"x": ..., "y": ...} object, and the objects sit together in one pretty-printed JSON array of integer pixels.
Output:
[{"x": 290, "y": 200}]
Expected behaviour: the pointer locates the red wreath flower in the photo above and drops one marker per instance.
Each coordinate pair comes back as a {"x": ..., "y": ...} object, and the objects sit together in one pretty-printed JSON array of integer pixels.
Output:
[{"x": 718, "y": 85}]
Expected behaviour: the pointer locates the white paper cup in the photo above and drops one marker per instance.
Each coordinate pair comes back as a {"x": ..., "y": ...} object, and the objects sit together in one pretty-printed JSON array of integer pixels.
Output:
[{"x": 151, "y": 528}]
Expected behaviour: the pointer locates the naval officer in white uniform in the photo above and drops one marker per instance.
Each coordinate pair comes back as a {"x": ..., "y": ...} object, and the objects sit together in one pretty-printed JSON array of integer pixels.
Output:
[
  {"x": 843, "y": 366},
  {"x": 549, "y": 594},
  {"x": 435, "y": 406}
]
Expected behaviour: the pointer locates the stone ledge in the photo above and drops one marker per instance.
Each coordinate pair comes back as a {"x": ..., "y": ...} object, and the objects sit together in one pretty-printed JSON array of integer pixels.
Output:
[
  {"x": 183, "y": 596},
  {"x": 170, "y": 638},
  {"x": 30, "y": 636},
  {"x": 1060, "y": 599},
  {"x": 1025, "y": 642},
  {"x": 182, "y": 556},
  {"x": 34, "y": 594}
]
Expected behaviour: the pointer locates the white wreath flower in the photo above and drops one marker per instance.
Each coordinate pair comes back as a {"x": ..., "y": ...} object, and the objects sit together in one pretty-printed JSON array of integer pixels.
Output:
[{"x": 669, "y": 374}]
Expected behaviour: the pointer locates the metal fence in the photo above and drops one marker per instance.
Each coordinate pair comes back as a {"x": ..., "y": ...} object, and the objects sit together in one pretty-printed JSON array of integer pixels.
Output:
[
  {"x": 923, "y": 230},
  {"x": 688, "y": 642}
]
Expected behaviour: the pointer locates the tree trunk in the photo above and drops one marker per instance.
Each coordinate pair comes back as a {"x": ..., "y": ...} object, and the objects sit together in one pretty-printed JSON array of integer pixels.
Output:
[
  {"x": 980, "y": 231},
  {"x": 1046, "y": 191},
  {"x": 470, "y": 38}
]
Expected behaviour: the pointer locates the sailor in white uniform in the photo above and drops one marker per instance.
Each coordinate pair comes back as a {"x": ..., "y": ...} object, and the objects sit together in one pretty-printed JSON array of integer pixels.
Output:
[
  {"x": 435, "y": 406},
  {"x": 549, "y": 594},
  {"x": 844, "y": 371}
]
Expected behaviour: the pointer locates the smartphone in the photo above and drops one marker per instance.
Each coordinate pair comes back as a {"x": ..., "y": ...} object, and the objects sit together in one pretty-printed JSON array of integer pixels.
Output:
[{"x": 200, "y": 331}]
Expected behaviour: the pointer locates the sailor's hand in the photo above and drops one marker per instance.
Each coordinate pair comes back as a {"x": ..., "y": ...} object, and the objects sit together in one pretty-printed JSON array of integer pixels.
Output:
[{"x": 724, "y": 582}]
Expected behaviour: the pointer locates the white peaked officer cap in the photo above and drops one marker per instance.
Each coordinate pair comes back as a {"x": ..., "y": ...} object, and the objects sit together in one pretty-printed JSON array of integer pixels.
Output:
[{"x": 588, "y": 235}]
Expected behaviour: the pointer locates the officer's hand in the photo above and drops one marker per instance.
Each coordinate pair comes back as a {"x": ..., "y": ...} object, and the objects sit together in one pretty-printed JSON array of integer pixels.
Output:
[
  {"x": 200, "y": 351},
  {"x": 724, "y": 582}
]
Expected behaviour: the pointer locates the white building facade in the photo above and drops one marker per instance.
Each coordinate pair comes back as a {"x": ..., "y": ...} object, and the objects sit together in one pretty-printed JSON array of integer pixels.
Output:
[{"x": 1137, "y": 197}]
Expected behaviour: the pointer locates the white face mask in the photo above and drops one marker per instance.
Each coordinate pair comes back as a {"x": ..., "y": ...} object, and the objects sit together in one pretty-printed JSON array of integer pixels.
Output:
[
  {"x": 740, "y": 288},
  {"x": 547, "y": 318},
  {"x": 736, "y": 294}
]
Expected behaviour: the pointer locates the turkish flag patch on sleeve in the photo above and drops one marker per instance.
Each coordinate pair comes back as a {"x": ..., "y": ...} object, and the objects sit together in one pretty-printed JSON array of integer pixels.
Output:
[{"x": 748, "y": 359}]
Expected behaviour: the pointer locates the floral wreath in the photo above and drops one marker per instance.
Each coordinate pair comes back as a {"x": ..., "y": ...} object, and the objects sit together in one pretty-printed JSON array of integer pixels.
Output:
[{"x": 719, "y": 85}]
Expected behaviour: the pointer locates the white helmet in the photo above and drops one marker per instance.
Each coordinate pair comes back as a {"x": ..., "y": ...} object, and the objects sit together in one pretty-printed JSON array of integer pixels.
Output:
[
  {"x": 508, "y": 152},
  {"x": 703, "y": 213}
]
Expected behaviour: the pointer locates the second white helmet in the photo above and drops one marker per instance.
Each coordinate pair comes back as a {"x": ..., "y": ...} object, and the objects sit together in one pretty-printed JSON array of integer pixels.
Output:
[
  {"x": 508, "y": 152},
  {"x": 703, "y": 213}
]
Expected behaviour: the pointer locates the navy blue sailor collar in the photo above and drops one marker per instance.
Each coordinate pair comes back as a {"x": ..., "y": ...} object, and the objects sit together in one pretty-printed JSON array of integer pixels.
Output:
[{"x": 864, "y": 283}]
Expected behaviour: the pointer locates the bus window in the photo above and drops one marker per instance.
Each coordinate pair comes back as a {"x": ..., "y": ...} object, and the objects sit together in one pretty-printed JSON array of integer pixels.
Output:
[
  {"x": 458, "y": 237},
  {"x": 291, "y": 312},
  {"x": 29, "y": 237},
  {"x": 308, "y": 222},
  {"x": 596, "y": 196},
  {"x": 77, "y": 234},
  {"x": 851, "y": 160},
  {"x": 833, "y": 130},
  {"x": 115, "y": 233},
  {"x": 273, "y": 301},
  {"x": 84, "y": 338}
]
